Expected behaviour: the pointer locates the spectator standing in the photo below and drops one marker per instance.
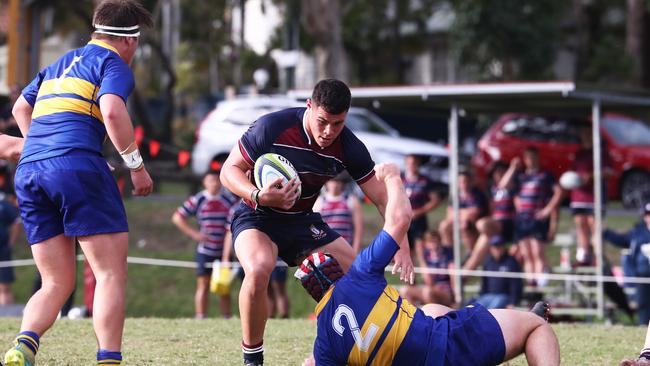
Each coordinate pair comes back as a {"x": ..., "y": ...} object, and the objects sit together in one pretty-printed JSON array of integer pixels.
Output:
[
  {"x": 210, "y": 207},
  {"x": 537, "y": 196},
  {"x": 500, "y": 292},
  {"x": 437, "y": 288},
  {"x": 637, "y": 262},
  {"x": 9, "y": 229},
  {"x": 341, "y": 211},
  {"x": 423, "y": 196}
]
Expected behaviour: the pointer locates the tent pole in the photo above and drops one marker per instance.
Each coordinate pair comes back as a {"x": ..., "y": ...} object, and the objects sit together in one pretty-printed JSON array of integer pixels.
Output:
[
  {"x": 453, "y": 191},
  {"x": 597, "y": 239}
]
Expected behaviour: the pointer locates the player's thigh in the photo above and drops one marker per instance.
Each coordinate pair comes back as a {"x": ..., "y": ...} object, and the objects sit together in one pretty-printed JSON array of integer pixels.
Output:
[
  {"x": 516, "y": 326},
  {"x": 55, "y": 260},
  {"x": 256, "y": 252},
  {"x": 106, "y": 253},
  {"x": 341, "y": 250}
]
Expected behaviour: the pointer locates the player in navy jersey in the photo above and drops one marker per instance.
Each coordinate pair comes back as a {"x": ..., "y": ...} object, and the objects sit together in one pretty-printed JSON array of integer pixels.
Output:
[
  {"x": 64, "y": 186},
  {"x": 210, "y": 207},
  {"x": 537, "y": 196},
  {"x": 361, "y": 320},
  {"x": 341, "y": 211},
  {"x": 275, "y": 221},
  {"x": 423, "y": 196}
]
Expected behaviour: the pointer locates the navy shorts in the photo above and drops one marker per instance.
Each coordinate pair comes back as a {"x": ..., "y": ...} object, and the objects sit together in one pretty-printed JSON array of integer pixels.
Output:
[
  {"x": 75, "y": 195},
  {"x": 296, "y": 235},
  {"x": 416, "y": 230},
  {"x": 474, "y": 338},
  {"x": 6, "y": 273},
  {"x": 531, "y": 228},
  {"x": 507, "y": 230},
  {"x": 201, "y": 259}
]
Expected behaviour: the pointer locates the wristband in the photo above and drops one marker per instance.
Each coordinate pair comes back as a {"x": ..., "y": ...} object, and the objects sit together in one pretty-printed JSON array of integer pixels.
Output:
[
  {"x": 645, "y": 353},
  {"x": 255, "y": 196},
  {"x": 133, "y": 160}
]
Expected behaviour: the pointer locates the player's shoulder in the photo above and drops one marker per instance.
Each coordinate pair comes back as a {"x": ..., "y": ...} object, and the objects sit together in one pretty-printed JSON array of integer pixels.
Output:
[{"x": 283, "y": 118}]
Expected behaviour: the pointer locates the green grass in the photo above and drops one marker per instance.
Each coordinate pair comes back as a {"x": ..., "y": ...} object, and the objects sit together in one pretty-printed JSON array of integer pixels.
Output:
[{"x": 155, "y": 341}]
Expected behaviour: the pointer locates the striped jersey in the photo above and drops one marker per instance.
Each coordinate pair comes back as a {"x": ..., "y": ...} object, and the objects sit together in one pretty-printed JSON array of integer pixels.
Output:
[
  {"x": 503, "y": 207},
  {"x": 534, "y": 191},
  {"x": 65, "y": 97},
  {"x": 211, "y": 213},
  {"x": 439, "y": 260},
  {"x": 337, "y": 213},
  {"x": 285, "y": 133},
  {"x": 361, "y": 320},
  {"x": 418, "y": 190}
]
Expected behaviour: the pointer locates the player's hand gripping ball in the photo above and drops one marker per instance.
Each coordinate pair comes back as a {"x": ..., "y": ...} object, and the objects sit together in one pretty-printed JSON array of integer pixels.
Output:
[{"x": 269, "y": 167}]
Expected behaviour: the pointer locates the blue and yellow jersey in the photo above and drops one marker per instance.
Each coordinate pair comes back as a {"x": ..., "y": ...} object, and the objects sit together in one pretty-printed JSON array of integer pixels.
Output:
[
  {"x": 363, "y": 321},
  {"x": 65, "y": 97}
]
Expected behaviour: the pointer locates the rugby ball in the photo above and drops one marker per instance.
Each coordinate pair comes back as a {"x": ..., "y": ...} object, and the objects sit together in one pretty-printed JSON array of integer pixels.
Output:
[
  {"x": 270, "y": 167},
  {"x": 570, "y": 180}
]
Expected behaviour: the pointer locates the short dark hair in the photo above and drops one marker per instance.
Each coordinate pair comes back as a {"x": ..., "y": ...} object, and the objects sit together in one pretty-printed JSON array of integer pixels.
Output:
[
  {"x": 531, "y": 150},
  {"x": 332, "y": 95},
  {"x": 212, "y": 171},
  {"x": 122, "y": 13}
]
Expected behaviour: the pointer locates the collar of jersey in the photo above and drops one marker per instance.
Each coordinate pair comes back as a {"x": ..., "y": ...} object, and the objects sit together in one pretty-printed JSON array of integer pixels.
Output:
[
  {"x": 321, "y": 304},
  {"x": 99, "y": 43},
  {"x": 304, "y": 127}
]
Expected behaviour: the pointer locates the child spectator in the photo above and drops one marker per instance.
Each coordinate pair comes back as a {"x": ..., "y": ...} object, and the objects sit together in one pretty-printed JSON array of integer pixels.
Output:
[
  {"x": 9, "y": 228},
  {"x": 437, "y": 288},
  {"x": 210, "y": 207},
  {"x": 423, "y": 196},
  {"x": 499, "y": 292}
]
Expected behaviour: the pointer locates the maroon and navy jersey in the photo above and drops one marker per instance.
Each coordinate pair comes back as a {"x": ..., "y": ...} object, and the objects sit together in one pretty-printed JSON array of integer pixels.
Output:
[
  {"x": 474, "y": 199},
  {"x": 502, "y": 202},
  {"x": 211, "y": 213},
  {"x": 337, "y": 213},
  {"x": 284, "y": 132},
  {"x": 418, "y": 190},
  {"x": 534, "y": 191},
  {"x": 583, "y": 196},
  {"x": 439, "y": 260}
]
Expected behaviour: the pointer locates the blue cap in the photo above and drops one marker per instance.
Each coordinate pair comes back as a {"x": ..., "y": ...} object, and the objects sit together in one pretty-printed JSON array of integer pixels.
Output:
[{"x": 497, "y": 240}]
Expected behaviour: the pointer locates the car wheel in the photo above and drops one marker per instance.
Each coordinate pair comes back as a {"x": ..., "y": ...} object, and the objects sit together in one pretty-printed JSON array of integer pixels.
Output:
[{"x": 635, "y": 189}]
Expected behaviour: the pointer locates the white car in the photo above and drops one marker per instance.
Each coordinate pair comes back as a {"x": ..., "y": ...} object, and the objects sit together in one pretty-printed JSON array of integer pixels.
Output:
[{"x": 224, "y": 125}]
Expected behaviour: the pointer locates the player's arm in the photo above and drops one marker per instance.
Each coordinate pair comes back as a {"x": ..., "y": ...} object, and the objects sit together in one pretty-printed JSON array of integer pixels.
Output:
[
  {"x": 184, "y": 226},
  {"x": 11, "y": 147},
  {"x": 233, "y": 177},
  {"x": 120, "y": 131},
  {"x": 357, "y": 223},
  {"x": 432, "y": 203},
  {"x": 22, "y": 112},
  {"x": 552, "y": 204},
  {"x": 398, "y": 214}
]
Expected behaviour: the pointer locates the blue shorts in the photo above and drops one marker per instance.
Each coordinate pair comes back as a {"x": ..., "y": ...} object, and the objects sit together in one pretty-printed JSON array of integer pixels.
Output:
[
  {"x": 74, "y": 195},
  {"x": 279, "y": 274},
  {"x": 416, "y": 230},
  {"x": 296, "y": 235},
  {"x": 6, "y": 273},
  {"x": 531, "y": 228},
  {"x": 201, "y": 259},
  {"x": 474, "y": 337}
]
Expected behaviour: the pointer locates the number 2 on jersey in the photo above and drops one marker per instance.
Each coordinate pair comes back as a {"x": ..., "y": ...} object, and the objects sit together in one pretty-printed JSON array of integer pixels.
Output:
[{"x": 362, "y": 341}]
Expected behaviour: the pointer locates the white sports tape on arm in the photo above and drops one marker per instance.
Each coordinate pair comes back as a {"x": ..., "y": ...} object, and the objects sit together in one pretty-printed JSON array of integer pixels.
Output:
[{"x": 133, "y": 160}]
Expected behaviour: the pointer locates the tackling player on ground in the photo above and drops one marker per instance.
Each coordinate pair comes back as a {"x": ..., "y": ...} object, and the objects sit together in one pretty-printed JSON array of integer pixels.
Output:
[
  {"x": 64, "y": 186},
  {"x": 275, "y": 221},
  {"x": 363, "y": 321}
]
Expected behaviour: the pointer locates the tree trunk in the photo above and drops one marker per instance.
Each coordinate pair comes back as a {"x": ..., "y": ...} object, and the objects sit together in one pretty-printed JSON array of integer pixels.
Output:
[
  {"x": 634, "y": 37},
  {"x": 322, "y": 19}
]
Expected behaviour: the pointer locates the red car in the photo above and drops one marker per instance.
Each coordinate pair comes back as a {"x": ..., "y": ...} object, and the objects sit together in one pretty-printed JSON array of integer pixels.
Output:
[{"x": 557, "y": 138}]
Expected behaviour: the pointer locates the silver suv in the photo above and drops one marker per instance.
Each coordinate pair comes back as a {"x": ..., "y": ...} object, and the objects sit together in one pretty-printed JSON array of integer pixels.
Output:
[{"x": 224, "y": 125}]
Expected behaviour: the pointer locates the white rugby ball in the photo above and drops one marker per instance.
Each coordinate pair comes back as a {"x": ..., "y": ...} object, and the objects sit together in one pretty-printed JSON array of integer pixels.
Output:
[
  {"x": 570, "y": 180},
  {"x": 270, "y": 167}
]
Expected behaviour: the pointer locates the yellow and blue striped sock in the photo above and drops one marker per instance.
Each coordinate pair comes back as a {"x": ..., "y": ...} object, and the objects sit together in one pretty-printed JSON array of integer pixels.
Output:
[
  {"x": 106, "y": 357},
  {"x": 29, "y": 339}
]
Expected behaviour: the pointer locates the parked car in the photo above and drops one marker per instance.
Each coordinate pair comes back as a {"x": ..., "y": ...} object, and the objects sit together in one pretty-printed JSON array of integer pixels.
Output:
[
  {"x": 627, "y": 140},
  {"x": 223, "y": 126}
]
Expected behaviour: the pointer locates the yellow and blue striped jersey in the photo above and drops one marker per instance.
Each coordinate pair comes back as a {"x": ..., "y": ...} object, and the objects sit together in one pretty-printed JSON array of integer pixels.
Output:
[
  {"x": 65, "y": 97},
  {"x": 363, "y": 321}
]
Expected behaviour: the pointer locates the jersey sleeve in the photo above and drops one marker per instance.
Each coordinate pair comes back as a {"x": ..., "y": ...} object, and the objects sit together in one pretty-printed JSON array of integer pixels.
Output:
[
  {"x": 189, "y": 207},
  {"x": 358, "y": 162},
  {"x": 30, "y": 92},
  {"x": 377, "y": 255},
  {"x": 117, "y": 78},
  {"x": 257, "y": 140}
]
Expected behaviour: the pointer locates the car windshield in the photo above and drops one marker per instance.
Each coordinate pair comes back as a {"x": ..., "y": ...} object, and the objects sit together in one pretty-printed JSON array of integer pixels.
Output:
[
  {"x": 366, "y": 122},
  {"x": 627, "y": 131}
]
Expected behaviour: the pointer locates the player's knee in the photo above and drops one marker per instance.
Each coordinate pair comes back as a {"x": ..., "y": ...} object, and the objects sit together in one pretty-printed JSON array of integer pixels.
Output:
[{"x": 258, "y": 276}]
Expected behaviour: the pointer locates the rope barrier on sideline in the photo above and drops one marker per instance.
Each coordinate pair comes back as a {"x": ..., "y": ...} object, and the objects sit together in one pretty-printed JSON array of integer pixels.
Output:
[{"x": 421, "y": 270}]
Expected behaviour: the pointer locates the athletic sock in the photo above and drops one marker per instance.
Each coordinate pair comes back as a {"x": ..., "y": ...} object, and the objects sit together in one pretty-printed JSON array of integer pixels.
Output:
[
  {"x": 253, "y": 354},
  {"x": 29, "y": 340},
  {"x": 106, "y": 357}
]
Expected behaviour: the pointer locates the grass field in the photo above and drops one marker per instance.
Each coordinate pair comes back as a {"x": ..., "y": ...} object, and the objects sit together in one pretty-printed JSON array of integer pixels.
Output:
[{"x": 155, "y": 341}]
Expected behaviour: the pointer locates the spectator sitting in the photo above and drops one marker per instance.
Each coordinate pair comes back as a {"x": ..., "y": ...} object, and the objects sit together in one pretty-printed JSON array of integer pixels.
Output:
[
  {"x": 637, "y": 262},
  {"x": 500, "y": 292},
  {"x": 9, "y": 228},
  {"x": 423, "y": 197},
  {"x": 472, "y": 205},
  {"x": 437, "y": 287},
  {"x": 341, "y": 211}
]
